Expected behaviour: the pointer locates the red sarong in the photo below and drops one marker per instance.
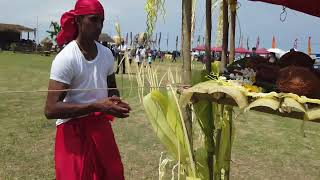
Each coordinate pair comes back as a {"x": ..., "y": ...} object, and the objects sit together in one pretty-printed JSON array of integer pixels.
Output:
[{"x": 85, "y": 149}]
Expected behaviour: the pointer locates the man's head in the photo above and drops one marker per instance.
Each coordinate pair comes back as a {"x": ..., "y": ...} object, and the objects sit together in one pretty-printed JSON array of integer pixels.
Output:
[
  {"x": 254, "y": 49},
  {"x": 90, "y": 26},
  {"x": 86, "y": 19}
]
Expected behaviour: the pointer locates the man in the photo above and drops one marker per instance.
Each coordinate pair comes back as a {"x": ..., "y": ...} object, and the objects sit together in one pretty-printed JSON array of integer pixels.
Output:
[
  {"x": 85, "y": 147},
  {"x": 121, "y": 49},
  {"x": 254, "y": 52}
]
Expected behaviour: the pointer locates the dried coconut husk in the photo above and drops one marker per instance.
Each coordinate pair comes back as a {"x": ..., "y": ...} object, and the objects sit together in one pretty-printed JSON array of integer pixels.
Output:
[
  {"x": 298, "y": 80},
  {"x": 267, "y": 72},
  {"x": 317, "y": 72},
  {"x": 253, "y": 62},
  {"x": 296, "y": 58}
]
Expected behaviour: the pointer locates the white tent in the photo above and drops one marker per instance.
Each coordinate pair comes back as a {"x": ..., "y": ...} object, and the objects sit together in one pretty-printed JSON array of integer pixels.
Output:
[{"x": 277, "y": 51}]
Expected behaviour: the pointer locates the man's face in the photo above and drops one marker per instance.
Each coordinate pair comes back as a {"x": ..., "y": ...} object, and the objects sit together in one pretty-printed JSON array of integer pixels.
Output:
[{"x": 91, "y": 25}]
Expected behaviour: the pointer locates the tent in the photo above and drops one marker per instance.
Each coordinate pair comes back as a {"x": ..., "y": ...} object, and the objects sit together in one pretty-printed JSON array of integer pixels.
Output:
[
  {"x": 262, "y": 51},
  {"x": 199, "y": 48},
  {"x": 310, "y": 7},
  {"x": 203, "y": 48},
  {"x": 279, "y": 52},
  {"x": 242, "y": 51},
  {"x": 216, "y": 49}
]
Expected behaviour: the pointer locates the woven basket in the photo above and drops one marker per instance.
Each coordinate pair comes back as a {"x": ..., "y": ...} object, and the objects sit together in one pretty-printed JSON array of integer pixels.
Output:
[
  {"x": 296, "y": 58},
  {"x": 298, "y": 80}
]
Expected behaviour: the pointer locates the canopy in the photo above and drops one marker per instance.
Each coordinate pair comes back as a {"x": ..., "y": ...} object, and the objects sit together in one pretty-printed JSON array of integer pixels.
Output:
[
  {"x": 262, "y": 51},
  {"x": 279, "y": 52},
  {"x": 242, "y": 50},
  {"x": 203, "y": 48},
  {"x": 199, "y": 48},
  {"x": 216, "y": 49},
  {"x": 14, "y": 28},
  {"x": 310, "y": 7}
]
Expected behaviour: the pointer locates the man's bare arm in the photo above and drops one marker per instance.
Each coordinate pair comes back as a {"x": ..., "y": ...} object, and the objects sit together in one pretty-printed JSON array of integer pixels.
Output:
[
  {"x": 111, "y": 81},
  {"x": 55, "y": 107}
]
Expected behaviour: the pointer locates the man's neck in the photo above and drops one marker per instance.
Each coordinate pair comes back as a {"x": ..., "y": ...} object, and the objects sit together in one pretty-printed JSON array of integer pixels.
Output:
[
  {"x": 87, "y": 47},
  {"x": 86, "y": 44}
]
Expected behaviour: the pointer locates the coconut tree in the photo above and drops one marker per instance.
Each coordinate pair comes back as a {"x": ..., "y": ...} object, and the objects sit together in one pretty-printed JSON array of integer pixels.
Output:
[{"x": 55, "y": 28}]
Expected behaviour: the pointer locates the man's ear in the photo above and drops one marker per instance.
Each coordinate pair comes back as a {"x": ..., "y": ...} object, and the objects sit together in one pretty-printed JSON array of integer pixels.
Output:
[{"x": 78, "y": 20}]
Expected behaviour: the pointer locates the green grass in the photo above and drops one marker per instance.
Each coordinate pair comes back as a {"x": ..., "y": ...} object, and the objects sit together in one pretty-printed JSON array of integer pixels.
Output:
[{"x": 265, "y": 147}]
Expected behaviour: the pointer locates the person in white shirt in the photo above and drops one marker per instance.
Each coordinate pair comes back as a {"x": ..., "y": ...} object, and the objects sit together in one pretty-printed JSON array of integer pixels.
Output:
[
  {"x": 122, "y": 50},
  {"x": 139, "y": 58},
  {"x": 79, "y": 98}
]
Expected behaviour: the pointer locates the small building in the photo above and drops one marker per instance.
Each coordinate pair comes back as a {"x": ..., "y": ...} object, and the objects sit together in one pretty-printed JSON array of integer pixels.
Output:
[{"x": 10, "y": 33}]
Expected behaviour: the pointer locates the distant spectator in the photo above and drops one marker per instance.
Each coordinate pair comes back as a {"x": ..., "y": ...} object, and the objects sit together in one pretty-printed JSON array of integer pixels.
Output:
[
  {"x": 174, "y": 56},
  {"x": 149, "y": 54},
  {"x": 121, "y": 49},
  {"x": 138, "y": 58},
  {"x": 272, "y": 58},
  {"x": 254, "y": 52}
]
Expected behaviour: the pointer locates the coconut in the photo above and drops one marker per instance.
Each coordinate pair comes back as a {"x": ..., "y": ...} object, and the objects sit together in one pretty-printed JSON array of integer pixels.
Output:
[
  {"x": 296, "y": 58},
  {"x": 267, "y": 72},
  {"x": 298, "y": 80},
  {"x": 253, "y": 62}
]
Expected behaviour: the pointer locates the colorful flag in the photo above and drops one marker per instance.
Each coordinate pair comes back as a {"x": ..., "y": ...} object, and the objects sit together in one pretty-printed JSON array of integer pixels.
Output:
[
  {"x": 295, "y": 44},
  {"x": 155, "y": 41},
  {"x": 241, "y": 42},
  {"x": 131, "y": 42},
  {"x": 309, "y": 46},
  {"x": 258, "y": 42},
  {"x": 159, "y": 40},
  {"x": 127, "y": 38},
  {"x": 273, "y": 42},
  {"x": 177, "y": 41},
  {"x": 167, "y": 41}
]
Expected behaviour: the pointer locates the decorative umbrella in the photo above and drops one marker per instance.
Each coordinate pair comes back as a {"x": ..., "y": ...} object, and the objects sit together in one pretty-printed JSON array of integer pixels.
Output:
[{"x": 310, "y": 7}]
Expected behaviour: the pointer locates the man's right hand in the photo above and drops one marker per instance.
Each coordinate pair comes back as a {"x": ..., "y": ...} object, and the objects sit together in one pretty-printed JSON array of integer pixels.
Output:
[{"x": 113, "y": 106}]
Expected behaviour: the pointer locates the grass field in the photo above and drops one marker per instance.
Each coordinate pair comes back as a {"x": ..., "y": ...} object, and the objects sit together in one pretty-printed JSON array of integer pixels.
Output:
[{"x": 266, "y": 146}]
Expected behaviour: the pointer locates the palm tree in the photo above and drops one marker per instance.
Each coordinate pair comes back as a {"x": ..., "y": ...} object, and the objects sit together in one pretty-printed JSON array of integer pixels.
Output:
[{"x": 56, "y": 28}]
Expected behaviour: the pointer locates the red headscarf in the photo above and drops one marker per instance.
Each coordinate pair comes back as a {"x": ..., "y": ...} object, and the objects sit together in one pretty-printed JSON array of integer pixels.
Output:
[{"x": 69, "y": 29}]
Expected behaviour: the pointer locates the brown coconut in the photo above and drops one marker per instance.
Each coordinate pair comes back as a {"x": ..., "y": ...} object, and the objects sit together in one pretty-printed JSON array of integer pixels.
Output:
[
  {"x": 298, "y": 80},
  {"x": 267, "y": 72},
  {"x": 296, "y": 58}
]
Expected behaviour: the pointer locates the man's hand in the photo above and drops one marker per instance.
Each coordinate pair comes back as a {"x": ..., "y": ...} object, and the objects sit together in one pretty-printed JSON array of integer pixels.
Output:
[{"x": 113, "y": 106}]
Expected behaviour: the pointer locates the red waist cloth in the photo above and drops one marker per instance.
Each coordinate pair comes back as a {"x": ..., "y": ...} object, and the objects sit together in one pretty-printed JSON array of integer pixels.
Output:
[{"x": 85, "y": 149}]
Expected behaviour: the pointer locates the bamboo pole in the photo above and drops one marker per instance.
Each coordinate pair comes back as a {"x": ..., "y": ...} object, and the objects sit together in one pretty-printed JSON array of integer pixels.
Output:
[
  {"x": 186, "y": 40},
  {"x": 210, "y": 140},
  {"x": 208, "y": 34},
  {"x": 224, "y": 36},
  {"x": 233, "y": 12},
  {"x": 186, "y": 59}
]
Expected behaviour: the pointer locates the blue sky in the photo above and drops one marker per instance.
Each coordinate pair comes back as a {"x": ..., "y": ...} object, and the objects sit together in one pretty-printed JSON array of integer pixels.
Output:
[{"x": 255, "y": 19}]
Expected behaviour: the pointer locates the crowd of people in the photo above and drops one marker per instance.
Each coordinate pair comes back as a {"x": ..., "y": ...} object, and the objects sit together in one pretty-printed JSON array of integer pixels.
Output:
[{"x": 142, "y": 55}]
